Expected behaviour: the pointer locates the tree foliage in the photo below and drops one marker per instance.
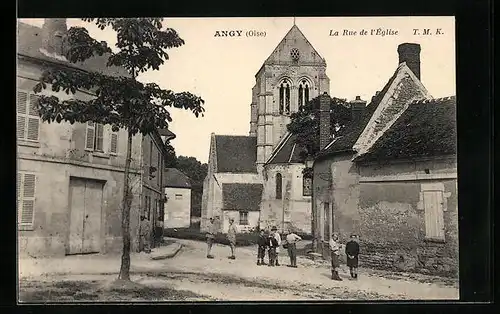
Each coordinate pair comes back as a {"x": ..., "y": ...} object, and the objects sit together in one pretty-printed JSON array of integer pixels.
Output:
[
  {"x": 122, "y": 102},
  {"x": 305, "y": 123},
  {"x": 171, "y": 157},
  {"x": 196, "y": 171}
]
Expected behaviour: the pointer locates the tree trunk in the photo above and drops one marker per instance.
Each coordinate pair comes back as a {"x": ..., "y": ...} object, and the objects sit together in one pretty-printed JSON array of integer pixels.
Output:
[{"x": 125, "y": 266}]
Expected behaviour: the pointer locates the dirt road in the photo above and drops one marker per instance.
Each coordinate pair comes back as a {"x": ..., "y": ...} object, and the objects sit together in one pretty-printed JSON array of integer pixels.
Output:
[{"x": 191, "y": 276}]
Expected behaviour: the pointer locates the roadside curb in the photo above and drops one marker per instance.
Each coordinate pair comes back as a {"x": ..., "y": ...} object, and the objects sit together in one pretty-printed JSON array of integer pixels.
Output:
[{"x": 169, "y": 255}]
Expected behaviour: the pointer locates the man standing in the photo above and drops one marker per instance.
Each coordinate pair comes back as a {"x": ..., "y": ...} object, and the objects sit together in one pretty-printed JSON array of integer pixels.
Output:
[
  {"x": 144, "y": 235},
  {"x": 261, "y": 253},
  {"x": 231, "y": 236},
  {"x": 277, "y": 236},
  {"x": 210, "y": 237},
  {"x": 352, "y": 252},
  {"x": 291, "y": 241},
  {"x": 335, "y": 252}
]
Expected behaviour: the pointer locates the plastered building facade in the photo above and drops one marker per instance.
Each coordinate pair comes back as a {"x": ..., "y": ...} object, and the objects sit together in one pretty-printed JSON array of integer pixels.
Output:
[{"x": 70, "y": 177}]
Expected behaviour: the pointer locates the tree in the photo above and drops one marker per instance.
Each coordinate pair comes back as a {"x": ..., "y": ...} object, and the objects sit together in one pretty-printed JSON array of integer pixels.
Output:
[
  {"x": 122, "y": 102},
  {"x": 196, "y": 171},
  {"x": 170, "y": 158},
  {"x": 305, "y": 123}
]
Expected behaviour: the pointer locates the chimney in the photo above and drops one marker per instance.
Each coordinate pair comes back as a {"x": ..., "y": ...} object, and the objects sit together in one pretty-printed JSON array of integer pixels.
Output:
[
  {"x": 53, "y": 32},
  {"x": 324, "y": 120},
  {"x": 374, "y": 96},
  {"x": 357, "y": 108},
  {"x": 410, "y": 53}
]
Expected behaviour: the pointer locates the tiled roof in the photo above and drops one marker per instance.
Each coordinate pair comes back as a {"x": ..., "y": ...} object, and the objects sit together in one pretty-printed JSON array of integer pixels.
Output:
[
  {"x": 348, "y": 137},
  {"x": 241, "y": 196},
  {"x": 30, "y": 42},
  {"x": 288, "y": 152},
  {"x": 174, "y": 178},
  {"x": 427, "y": 128},
  {"x": 236, "y": 154}
]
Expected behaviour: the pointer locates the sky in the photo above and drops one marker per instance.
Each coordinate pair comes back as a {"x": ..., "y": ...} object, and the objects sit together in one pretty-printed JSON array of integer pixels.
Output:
[{"x": 222, "y": 70}]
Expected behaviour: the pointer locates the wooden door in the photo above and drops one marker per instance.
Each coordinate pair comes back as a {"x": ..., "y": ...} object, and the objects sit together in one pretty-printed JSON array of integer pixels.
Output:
[
  {"x": 92, "y": 218},
  {"x": 85, "y": 216},
  {"x": 77, "y": 211},
  {"x": 434, "y": 220}
]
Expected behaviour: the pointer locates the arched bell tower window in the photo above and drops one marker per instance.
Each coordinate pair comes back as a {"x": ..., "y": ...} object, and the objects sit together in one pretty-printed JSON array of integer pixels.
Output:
[
  {"x": 304, "y": 88},
  {"x": 284, "y": 96},
  {"x": 279, "y": 186}
]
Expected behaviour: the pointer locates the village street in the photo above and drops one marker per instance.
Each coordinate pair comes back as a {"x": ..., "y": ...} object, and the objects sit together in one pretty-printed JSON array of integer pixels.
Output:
[{"x": 190, "y": 276}]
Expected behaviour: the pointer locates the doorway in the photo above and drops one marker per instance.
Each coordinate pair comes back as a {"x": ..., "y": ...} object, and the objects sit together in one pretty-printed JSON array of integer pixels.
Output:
[{"x": 85, "y": 200}]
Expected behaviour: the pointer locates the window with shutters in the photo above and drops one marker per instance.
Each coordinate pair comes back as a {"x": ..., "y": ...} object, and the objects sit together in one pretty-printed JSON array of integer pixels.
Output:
[
  {"x": 28, "y": 121},
  {"x": 25, "y": 189},
  {"x": 94, "y": 137}
]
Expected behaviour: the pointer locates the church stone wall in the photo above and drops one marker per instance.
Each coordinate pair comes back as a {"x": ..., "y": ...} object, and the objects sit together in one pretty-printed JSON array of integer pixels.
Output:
[{"x": 293, "y": 210}]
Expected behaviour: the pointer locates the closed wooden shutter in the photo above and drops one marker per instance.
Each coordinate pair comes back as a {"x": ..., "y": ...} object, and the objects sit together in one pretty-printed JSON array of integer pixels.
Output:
[
  {"x": 114, "y": 143},
  {"x": 33, "y": 119},
  {"x": 22, "y": 100},
  {"x": 434, "y": 220},
  {"x": 26, "y": 198},
  {"x": 90, "y": 135}
]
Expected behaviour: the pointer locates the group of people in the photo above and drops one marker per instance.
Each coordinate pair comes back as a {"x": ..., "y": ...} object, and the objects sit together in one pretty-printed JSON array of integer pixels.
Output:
[
  {"x": 271, "y": 242},
  {"x": 351, "y": 251}
]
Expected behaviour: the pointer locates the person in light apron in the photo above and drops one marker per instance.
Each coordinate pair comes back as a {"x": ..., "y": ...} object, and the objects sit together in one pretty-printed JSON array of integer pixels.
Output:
[{"x": 335, "y": 254}]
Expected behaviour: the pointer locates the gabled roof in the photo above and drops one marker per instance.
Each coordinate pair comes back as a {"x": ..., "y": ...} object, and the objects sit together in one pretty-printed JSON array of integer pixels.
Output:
[
  {"x": 241, "y": 196},
  {"x": 236, "y": 153},
  {"x": 174, "y": 178},
  {"x": 287, "y": 151},
  {"x": 29, "y": 43},
  {"x": 426, "y": 129},
  {"x": 299, "y": 40},
  {"x": 346, "y": 139}
]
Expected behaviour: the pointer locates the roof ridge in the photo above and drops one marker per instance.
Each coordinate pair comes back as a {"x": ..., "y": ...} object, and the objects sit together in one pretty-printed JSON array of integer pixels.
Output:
[{"x": 233, "y": 135}]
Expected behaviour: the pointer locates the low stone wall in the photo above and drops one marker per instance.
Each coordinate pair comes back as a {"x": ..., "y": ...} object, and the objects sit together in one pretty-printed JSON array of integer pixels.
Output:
[{"x": 429, "y": 258}]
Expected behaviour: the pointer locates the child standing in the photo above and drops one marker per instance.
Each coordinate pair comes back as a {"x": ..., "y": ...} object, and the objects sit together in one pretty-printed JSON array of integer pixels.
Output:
[
  {"x": 335, "y": 252},
  {"x": 352, "y": 252},
  {"x": 277, "y": 236},
  {"x": 261, "y": 253},
  {"x": 272, "y": 243}
]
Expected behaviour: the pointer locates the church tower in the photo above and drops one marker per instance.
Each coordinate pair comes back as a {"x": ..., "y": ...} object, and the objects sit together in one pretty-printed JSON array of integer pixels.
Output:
[{"x": 293, "y": 74}]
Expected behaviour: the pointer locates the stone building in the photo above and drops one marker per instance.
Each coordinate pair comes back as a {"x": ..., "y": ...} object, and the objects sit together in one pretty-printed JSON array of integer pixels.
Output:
[
  {"x": 390, "y": 177},
  {"x": 267, "y": 160},
  {"x": 178, "y": 202},
  {"x": 70, "y": 177}
]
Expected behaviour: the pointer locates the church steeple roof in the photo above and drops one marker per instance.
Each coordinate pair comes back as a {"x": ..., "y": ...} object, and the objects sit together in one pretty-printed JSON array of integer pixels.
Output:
[{"x": 295, "y": 40}]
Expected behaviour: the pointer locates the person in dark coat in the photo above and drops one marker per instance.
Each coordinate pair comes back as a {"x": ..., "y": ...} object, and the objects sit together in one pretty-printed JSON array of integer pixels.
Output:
[
  {"x": 352, "y": 252},
  {"x": 261, "y": 253},
  {"x": 272, "y": 244}
]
